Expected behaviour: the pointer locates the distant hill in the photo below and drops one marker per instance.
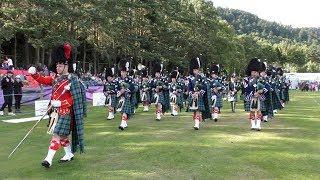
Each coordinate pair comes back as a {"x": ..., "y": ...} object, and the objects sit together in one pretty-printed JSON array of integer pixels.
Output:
[{"x": 247, "y": 23}]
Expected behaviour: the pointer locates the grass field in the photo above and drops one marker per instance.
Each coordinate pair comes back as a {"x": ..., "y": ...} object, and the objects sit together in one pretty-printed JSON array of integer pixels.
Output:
[{"x": 288, "y": 147}]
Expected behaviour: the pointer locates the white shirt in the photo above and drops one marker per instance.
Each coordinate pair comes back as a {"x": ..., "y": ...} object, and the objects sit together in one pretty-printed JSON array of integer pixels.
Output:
[{"x": 10, "y": 63}]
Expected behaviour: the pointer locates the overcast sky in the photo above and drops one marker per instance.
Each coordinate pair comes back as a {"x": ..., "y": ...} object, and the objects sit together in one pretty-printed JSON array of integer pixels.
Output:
[{"x": 297, "y": 13}]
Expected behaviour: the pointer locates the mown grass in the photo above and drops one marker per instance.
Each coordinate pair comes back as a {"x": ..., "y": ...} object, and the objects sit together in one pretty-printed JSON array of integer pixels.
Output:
[{"x": 286, "y": 148}]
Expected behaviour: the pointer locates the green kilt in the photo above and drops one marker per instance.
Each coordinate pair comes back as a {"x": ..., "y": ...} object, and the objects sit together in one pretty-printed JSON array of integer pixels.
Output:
[
  {"x": 219, "y": 102},
  {"x": 276, "y": 100},
  {"x": 148, "y": 99},
  {"x": 161, "y": 97},
  {"x": 201, "y": 106},
  {"x": 114, "y": 101},
  {"x": 63, "y": 125},
  {"x": 127, "y": 107},
  {"x": 247, "y": 106},
  {"x": 179, "y": 101}
]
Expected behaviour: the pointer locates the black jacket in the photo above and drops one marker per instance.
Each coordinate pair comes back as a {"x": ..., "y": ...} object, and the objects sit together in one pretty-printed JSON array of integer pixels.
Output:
[{"x": 7, "y": 85}]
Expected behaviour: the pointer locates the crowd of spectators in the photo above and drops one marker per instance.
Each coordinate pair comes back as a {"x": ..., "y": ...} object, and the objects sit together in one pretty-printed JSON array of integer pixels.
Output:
[{"x": 309, "y": 86}]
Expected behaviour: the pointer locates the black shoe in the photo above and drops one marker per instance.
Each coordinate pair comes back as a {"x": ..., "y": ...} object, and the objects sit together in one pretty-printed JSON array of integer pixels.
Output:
[
  {"x": 45, "y": 164},
  {"x": 172, "y": 114},
  {"x": 122, "y": 128},
  {"x": 67, "y": 160},
  {"x": 158, "y": 119},
  {"x": 215, "y": 120},
  {"x": 258, "y": 129},
  {"x": 196, "y": 128},
  {"x": 253, "y": 128}
]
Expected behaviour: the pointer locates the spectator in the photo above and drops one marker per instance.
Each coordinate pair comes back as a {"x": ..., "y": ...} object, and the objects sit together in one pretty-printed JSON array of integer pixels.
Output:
[
  {"x": 7, "y": 87},
  {"x": 10, "y": 63},
  {"x": 17, "y": 89},
  {"x": 4, "y": 64}
]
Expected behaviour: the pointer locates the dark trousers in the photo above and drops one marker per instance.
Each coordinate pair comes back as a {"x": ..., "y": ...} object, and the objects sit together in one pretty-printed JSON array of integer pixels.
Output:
[
  {"x": 17, "y": 99},
  {"x": 7, "y": 101}
]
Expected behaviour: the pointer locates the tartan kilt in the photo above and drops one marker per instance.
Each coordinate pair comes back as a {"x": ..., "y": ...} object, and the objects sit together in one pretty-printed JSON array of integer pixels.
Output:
[
  {"x": 247, "y": 106},
  {"x": 147, "y": 97},
  {"x": 114, "y": 100},
  {"x": 201, "y": 106},
  {"x": 63, "y": 125},
  {"x": 276, "y": 101},
  {"x": 219, "y": 103},
  {"x": 134, "y": 99},
  {"x": 127, "y": 107},
  {"x": 161, "y": 98},
  {"x": 180, "y": 100},
  {"x": 268, "y": 105},
  {"x": 235, "y": 97},
  {"x": 286, "y": 95}
]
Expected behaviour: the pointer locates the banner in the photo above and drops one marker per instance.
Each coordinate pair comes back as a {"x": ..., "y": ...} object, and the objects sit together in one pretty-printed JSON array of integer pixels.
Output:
[
  {"x": 40, "y": 107},
  {"x": 30, "y": 95},
  {"x": 99, "y": 99}
]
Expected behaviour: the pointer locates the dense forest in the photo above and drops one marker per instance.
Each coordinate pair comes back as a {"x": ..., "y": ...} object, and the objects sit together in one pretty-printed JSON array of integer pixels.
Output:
[{"x": 149, "y": 31}]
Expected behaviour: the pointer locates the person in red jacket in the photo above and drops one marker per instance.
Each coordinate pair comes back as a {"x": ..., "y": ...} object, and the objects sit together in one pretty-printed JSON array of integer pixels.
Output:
[{"x": 67, "y": 106}]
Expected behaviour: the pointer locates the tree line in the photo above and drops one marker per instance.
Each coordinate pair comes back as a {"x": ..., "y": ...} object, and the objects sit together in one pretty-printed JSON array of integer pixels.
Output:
[{"x": 149, "y": 31}]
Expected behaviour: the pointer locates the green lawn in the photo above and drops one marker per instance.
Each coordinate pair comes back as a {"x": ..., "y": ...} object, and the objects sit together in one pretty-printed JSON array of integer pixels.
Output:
[{"x": 288, "y": 146}]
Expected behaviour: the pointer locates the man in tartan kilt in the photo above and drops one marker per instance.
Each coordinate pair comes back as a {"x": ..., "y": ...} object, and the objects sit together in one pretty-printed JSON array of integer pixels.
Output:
[
  {"x": 197, "y": 88},
  {"x": 264, "y": 79},
  {"x": 254, "y": 94},
  {"x": 136, "y": 93},
  {"x": 176, "y": 92},
  {"x": 68, "y": 101},
  {"x": 216, "y": 91},
  {"x": 233, "y": 88},
  {"x": 109, "y": 91},
  {"x": 159, "y": 86},
  {"x": 145, "y": 90},
  {"x": 124, "y": 93}
]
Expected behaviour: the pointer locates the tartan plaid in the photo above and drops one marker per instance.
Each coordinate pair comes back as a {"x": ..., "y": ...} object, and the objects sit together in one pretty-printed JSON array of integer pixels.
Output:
[
  {"x": 201, "y": 106},
  {"x": 114, "y": 100},
  {"x": 63, "y": 125},
  {"x": 148, "y": 96},
  {"x": 127, "y": 106},
  {"x": 286, "y": 95},
  {"x": 179, "y": 101},
  {"x": 166, "y": 99},
  {"x": 268, "y": 105},
  {"x": 247, "y": 106},
  {"x": 276, "y": 100}
]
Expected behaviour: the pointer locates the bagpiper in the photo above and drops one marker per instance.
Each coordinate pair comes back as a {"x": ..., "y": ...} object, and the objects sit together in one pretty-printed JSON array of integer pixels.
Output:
[
  {"x": 254, "y": 94},
  {"x": 125, "y": 89},
  {"x": 160, "y": 91},
  {"x": 233, "y": 88},
  {"x": 197, "y": 88},
  {"x": 264, "y": 79},
  {"x": 216, "y": 88},
  {"x": 109, "y": 91},
  {"x": 145, "y": 90},
  {"x": 176, "y": 92},
  {"x": 67, "y": 105}
]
